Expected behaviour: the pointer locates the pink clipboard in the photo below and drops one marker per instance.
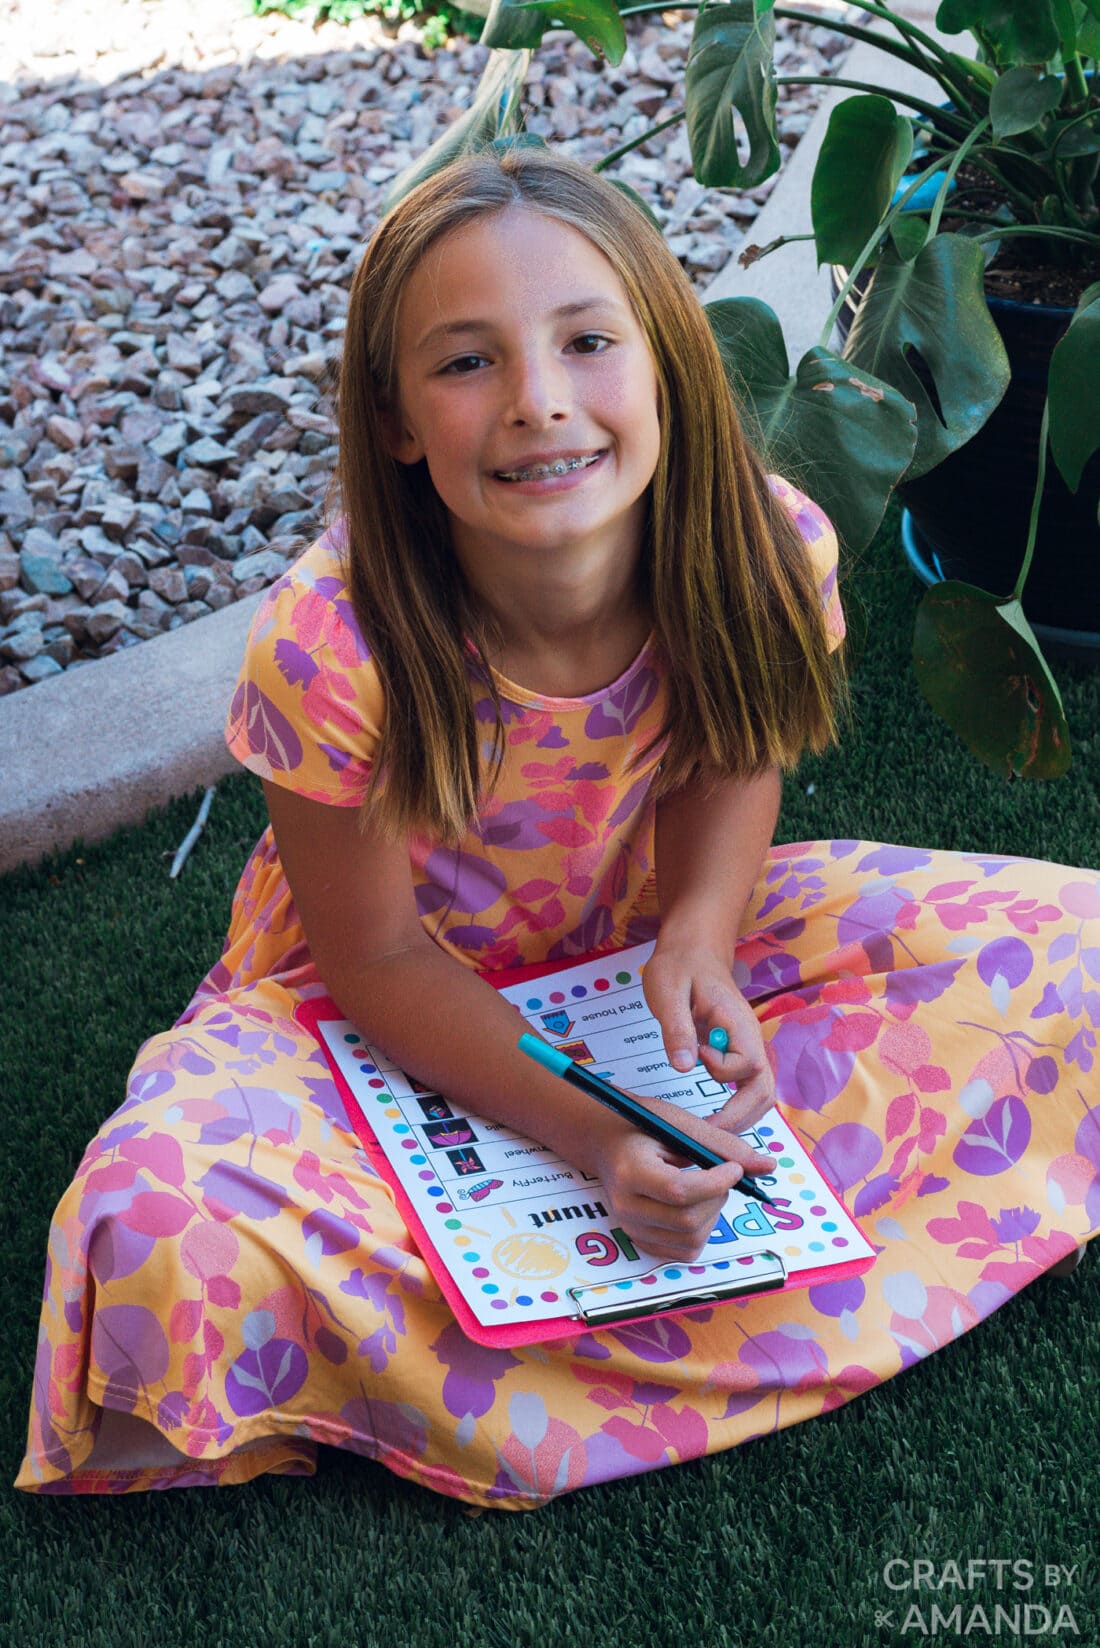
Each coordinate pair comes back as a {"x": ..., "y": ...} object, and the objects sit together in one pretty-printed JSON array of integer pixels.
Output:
[{"x": 310, "y": 1014}]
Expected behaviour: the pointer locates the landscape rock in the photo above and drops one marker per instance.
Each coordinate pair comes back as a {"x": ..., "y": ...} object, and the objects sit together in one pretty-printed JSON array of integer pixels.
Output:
[
  {"x": 103, "y": 621},
  {"x": 186, "y": 190},
  {"x": 42, "y": 575},
  {"x": 38, "y": 668}
]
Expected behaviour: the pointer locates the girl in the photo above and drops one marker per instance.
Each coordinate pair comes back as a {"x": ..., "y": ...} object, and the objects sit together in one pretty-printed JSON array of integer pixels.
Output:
[{"x": 528, "y": 697}]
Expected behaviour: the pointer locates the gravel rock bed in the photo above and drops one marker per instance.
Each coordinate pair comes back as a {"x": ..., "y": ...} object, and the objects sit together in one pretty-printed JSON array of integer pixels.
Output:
[{"x": 185, "y": 191}]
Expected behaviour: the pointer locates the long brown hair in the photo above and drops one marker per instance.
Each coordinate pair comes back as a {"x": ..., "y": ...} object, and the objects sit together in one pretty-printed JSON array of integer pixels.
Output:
[{"x": 734, "y": 599}]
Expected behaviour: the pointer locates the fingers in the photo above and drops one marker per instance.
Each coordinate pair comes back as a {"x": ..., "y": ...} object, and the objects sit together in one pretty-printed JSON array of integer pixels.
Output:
[
  {"x": 680, "y": 1189},
  {"x": 750, "y": 1073},
  {"x": 646, "y": 1172},
  {"x": 671, "y": 1211},
  {"x": 724, "y": 1143},
  {"x": 743, "y": 1109},
  {"x": 753, "y": 1162},
  {"x": 739, "y": 1065},
  {"x": 744, "y": 1066},
  {"x": 740, "y": 1057},
  {"x": 703, "y": 1016},
  {"x": 679, "y": 1221},
  {"x": 722, "y": 1140},
  {"x": 670, "y": 1001}
]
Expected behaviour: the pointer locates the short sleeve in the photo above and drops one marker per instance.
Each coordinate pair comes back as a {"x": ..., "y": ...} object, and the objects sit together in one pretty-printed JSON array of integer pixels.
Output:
[
  {"x": 308, "y": 706},
  {"x": 820, "y": 539}
]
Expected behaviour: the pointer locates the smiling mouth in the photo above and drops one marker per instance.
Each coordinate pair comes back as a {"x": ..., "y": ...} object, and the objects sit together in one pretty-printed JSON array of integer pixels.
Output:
[{"x": 538, "y": 471}]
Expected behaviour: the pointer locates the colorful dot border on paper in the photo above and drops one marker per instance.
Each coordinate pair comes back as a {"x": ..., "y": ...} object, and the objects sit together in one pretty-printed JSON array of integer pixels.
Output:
[
  {"x": 382, "y": 1095},
  {"x": 578, "y": 992},
  {"x": 668, "y": 1273},
  {"x": 534, "y": 1004}
]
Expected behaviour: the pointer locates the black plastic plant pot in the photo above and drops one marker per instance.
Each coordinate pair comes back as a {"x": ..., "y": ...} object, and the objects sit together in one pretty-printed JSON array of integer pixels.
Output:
[{"x": 968, "y": 518}]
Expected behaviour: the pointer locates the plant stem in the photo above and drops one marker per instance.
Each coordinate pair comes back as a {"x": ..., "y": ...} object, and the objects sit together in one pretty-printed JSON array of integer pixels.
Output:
[
  {"x": 1080, "y": 175},
  {"x": 1041, "y": 182},
  {"x": 908, "y": 53},
  {"x": 868, "y": 251},
  {"x": 774, "y": 245},
  {"x": 1078, "y": 120},
  {"x": 918, "y": 103},
  {"x": 1072, "y": 66},
  {"x": 895, "y": 211},
  {"x": 956, "y": 161},
  {"x": 1036, "y": 504},
  {"x": 1053, "y": 231},
  {"x": 909, "y": 31},
  {"x": 625, "y": 148},
  {"x": 985, "y": 159},
  {"x": 1076, "y": 83},
  {"x": 918, "y": 47},
  {"x": 973, "y": 217}
]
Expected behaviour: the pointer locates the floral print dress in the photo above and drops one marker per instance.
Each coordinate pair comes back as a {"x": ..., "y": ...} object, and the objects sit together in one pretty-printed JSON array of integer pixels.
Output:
[{"x": 229, "y": 1284}]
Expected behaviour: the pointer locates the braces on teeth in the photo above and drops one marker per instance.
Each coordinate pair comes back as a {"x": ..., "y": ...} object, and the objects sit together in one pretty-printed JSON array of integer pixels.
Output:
[{"x": 559, "y": 468}]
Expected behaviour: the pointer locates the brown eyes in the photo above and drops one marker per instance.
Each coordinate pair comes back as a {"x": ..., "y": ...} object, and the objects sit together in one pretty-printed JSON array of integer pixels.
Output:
[
  {"x": 583, "y": 337},
  {"x": 592, "y": 336}
]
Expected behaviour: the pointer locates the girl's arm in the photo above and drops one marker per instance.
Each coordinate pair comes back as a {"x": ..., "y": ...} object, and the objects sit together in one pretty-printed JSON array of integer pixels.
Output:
[
  {"x": 452, "y": 1031},
  {"x": 709, "y": 850}
]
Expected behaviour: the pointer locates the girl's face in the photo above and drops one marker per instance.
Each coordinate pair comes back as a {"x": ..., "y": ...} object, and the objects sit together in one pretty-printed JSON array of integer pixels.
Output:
[{"x": 495, "y": 376}]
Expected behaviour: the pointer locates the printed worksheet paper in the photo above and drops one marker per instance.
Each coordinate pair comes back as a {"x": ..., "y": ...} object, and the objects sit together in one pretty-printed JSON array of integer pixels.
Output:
[{"x": 517, "y": 1227}]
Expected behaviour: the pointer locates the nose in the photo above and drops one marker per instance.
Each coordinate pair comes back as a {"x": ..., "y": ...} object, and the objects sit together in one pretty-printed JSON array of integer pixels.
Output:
[{"x": 537, "y": 389}]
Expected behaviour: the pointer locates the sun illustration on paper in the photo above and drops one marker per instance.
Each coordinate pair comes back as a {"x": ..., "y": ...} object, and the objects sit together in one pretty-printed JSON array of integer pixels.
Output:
[{"x": 531, "y": 1257}]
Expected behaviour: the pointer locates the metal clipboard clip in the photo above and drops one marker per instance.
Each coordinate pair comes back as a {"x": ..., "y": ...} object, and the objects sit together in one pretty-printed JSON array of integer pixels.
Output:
[{"x": 677, "y": 1287}]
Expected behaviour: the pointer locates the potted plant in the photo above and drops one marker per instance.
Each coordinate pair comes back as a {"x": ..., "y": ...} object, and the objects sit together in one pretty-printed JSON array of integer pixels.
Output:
[{"x": 924, "y": 363}]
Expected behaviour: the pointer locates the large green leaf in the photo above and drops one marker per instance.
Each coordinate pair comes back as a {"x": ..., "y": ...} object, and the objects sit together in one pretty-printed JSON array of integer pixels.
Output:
[
  {"x": 864, "y": 153},
  {"x": 1087, "y": 18},
  {"x": 848, "y": 436},
  {"x": 1065, "y": 22},
  {"x": 512, "y": 26},
  {"x": 934, "y": 307},
  {"x": 492, "y": 114},
  {"x": 909, "y": 232},
  {"x": 730, "y": 68},
  {"x": 980, "y": 667},
  {"x": 1073, "y": 394},
  {"x": 597, "y": 22},
  {"x": 1021, "y": 98},
  {"x": 1016, "y": 31}
]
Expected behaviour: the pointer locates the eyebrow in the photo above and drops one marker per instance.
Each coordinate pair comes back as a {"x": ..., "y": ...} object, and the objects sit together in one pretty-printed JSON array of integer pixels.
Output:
[{"x": 453, "y": 328}]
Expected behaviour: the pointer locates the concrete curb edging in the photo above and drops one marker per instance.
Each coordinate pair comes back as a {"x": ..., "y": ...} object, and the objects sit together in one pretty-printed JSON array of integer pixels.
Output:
[{"x": 99, "y": 746}]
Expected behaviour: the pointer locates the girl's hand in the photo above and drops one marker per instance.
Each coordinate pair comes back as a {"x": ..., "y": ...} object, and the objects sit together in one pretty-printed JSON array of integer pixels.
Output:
[
  {"x": 667, "y": 1209},
  {"x": 691, "y": 993}
]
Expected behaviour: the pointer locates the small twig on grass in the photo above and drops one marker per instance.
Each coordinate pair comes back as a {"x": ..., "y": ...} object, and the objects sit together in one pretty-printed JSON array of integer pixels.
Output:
[{"x": 192, "y": 835}]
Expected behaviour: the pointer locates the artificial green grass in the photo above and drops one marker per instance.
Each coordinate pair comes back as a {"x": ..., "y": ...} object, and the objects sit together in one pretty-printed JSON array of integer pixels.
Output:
[{"x": 987, "y": 1450}]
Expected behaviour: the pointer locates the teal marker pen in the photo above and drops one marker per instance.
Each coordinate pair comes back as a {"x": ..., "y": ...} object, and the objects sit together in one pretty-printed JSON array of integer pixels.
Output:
[{"x": 631, "y": 1110}]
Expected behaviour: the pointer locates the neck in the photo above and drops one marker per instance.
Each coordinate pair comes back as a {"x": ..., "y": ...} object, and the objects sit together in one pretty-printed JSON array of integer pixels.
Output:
[{"x": 566, "y": 627}]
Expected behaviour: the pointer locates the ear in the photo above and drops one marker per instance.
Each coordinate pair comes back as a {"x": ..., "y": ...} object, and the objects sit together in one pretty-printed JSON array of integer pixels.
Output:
[{"x": 402, "y": 444}]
